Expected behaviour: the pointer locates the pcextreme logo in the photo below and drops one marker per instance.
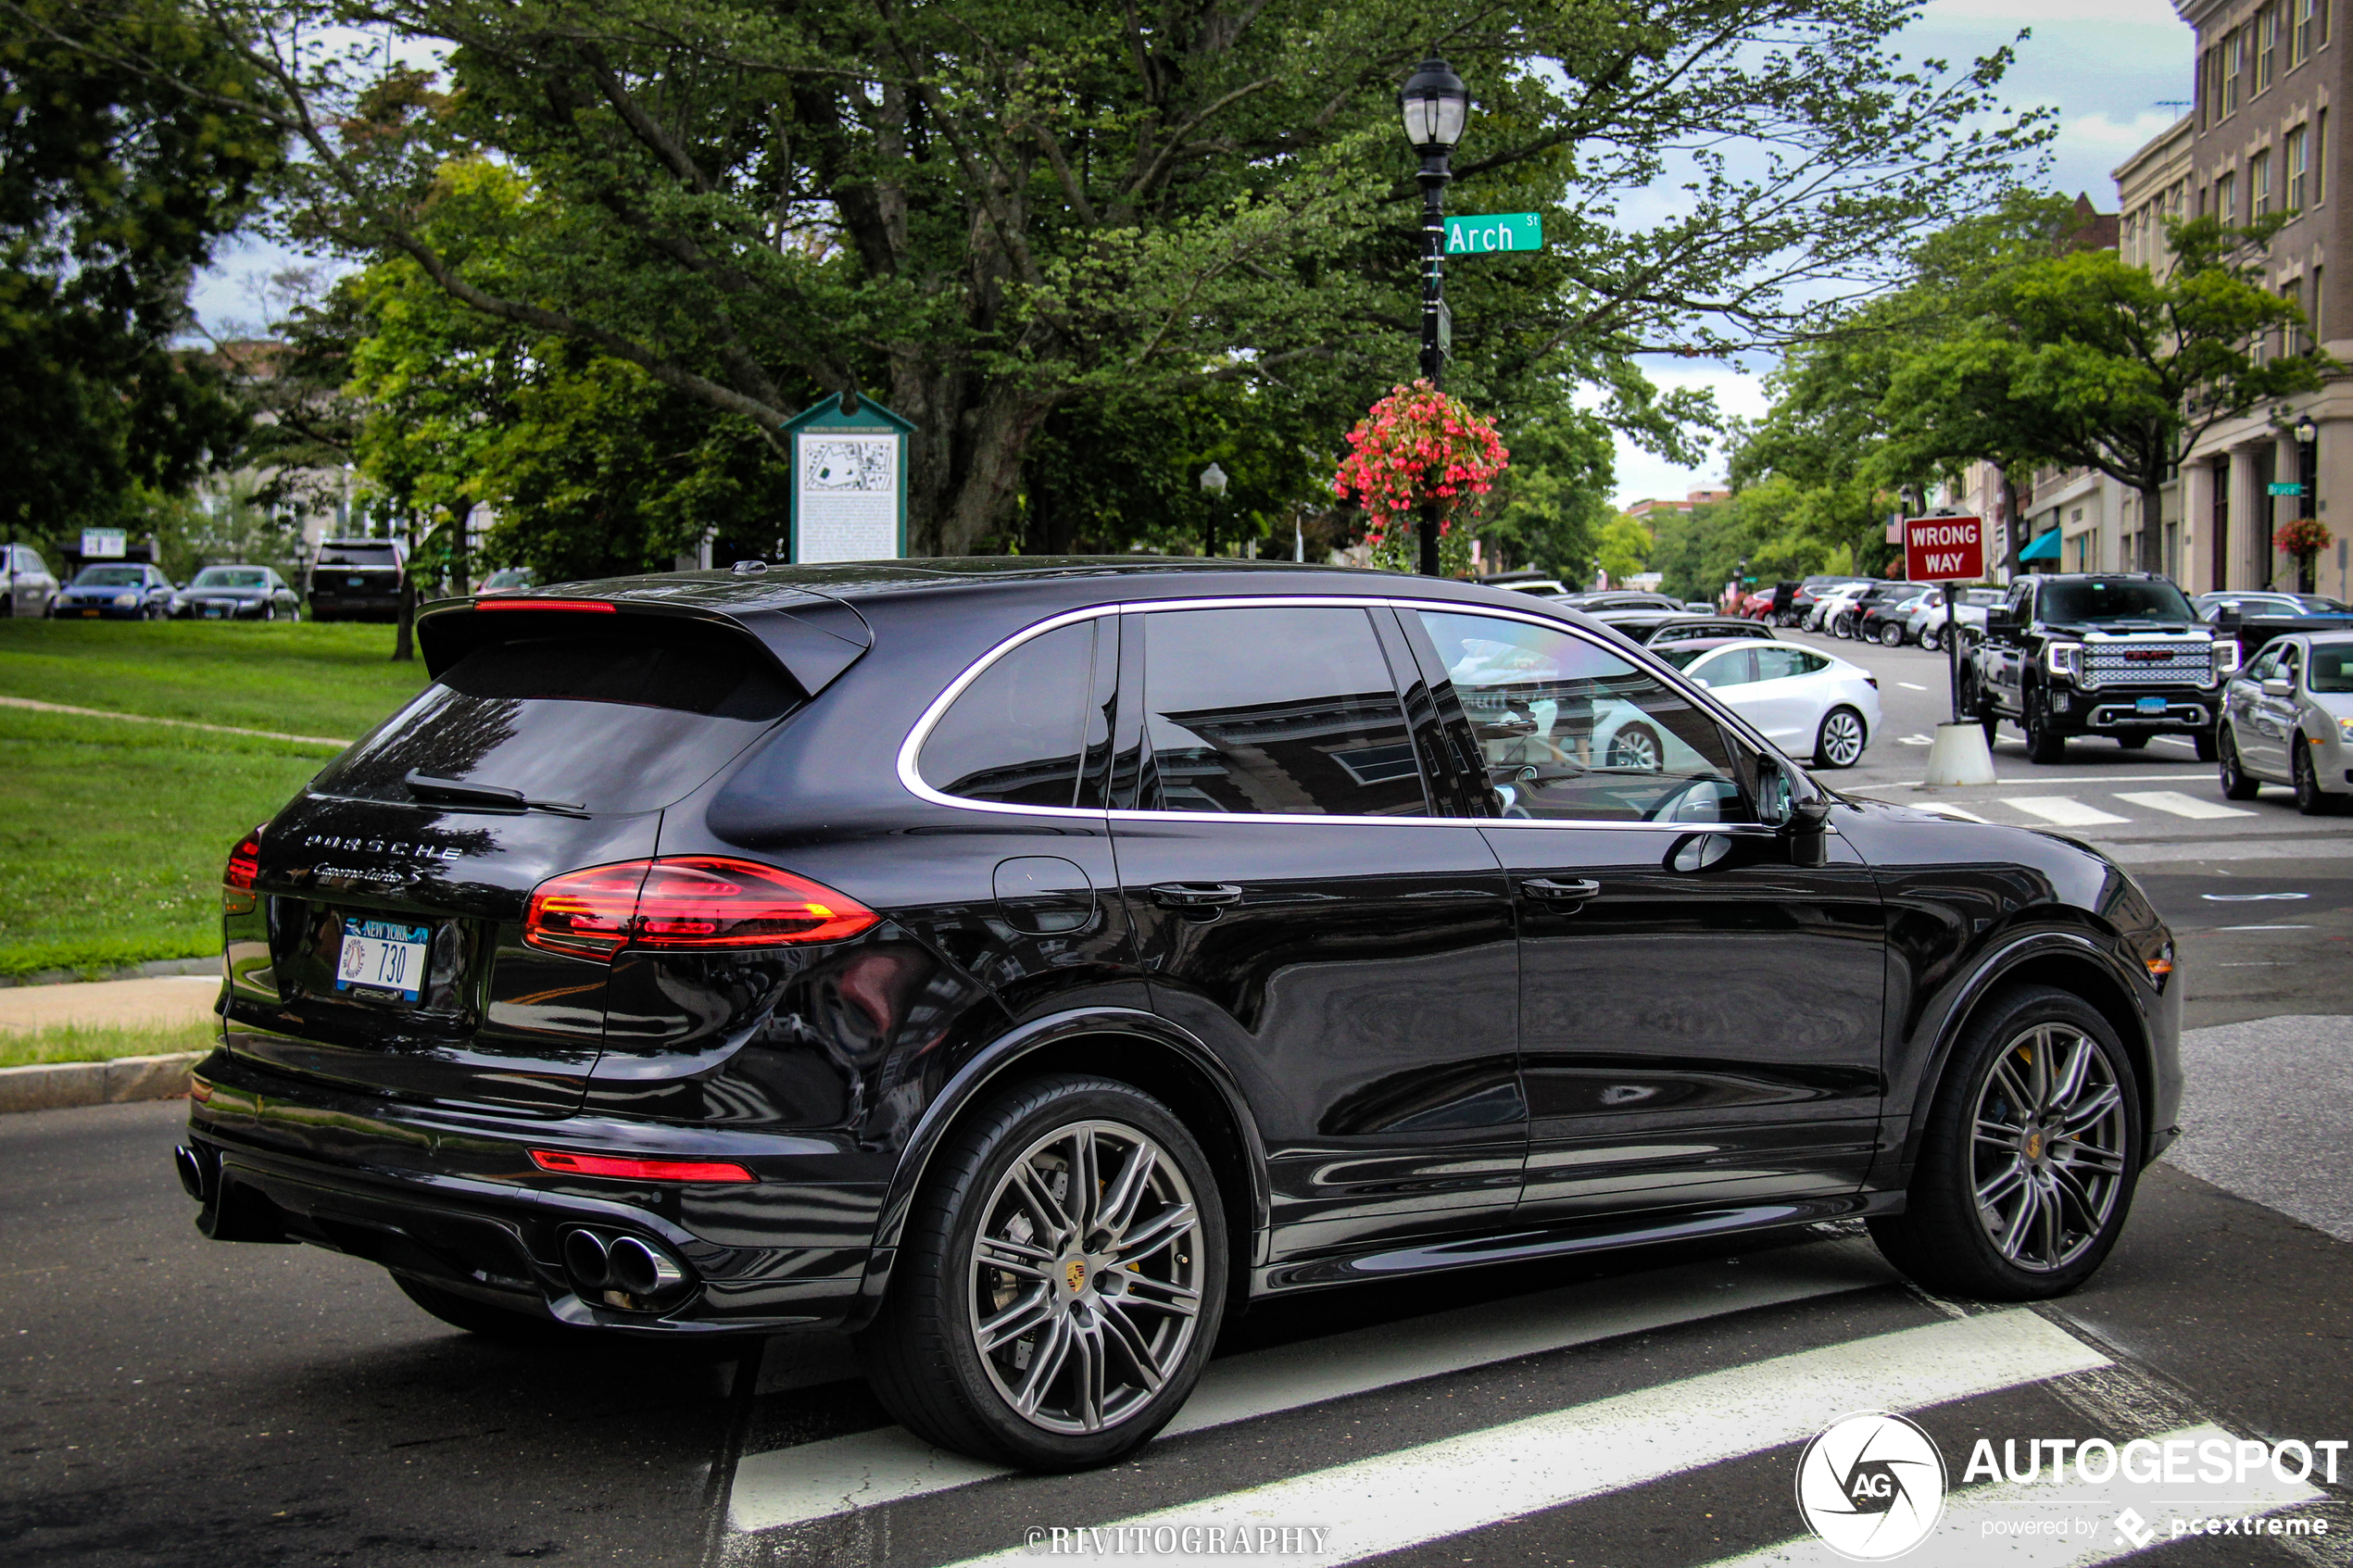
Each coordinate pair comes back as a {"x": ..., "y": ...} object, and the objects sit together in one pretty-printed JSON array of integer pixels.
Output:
[{"x": 1871, "y": 1486}]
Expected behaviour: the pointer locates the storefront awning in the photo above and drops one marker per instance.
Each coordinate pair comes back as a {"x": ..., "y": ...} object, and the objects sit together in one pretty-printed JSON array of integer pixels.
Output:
[{"x": 2044, "y": 546}]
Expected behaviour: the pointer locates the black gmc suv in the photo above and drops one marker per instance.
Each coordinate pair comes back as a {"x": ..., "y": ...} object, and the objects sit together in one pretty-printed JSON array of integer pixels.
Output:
[
  {"x": 2114, "y": 654},
  {"x": 1024, "y": 963}
]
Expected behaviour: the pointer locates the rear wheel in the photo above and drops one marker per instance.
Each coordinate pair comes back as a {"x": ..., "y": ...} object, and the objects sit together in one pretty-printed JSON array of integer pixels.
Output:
[
  {"x": 1931, "y": 639},
  {"x": 2238, "y": 782},
  {"x": 1635, "y": 748},
  {"x": 1839, "y": 743},
  {"x": 1060, "y": 1283},
  {"x": 1891, "y": 635},
  {"x": 2028, "y": 1162}
]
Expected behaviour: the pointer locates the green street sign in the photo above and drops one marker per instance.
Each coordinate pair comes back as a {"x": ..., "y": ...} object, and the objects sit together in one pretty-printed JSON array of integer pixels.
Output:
[
  {"x": 1473, "y": 234},
  {"x": 2284, "y": 487}
]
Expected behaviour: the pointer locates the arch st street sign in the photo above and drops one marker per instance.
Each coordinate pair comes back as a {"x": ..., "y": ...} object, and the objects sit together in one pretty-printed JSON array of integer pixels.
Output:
[{"x": 1943, "y": 550}]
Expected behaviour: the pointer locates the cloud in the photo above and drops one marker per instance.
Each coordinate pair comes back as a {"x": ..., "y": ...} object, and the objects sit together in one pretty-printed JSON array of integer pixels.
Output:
[
  {"x": 2031, "y": 13},
  {"x": 2098, "y": 131}
]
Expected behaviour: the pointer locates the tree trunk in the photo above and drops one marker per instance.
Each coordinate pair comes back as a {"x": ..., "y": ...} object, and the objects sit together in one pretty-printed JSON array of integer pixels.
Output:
[
  {"x": 2012, "y": 521},
  {"x": 404, "y": 640},
  {"x": 2152, "y": 529},
  {"x": 461, "y": 511}
]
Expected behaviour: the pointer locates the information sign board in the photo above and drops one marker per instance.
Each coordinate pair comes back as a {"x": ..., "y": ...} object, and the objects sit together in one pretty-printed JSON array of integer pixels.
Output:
[
  {"x": 850, "y": 482},
  {"x": 1488, "y": 234},
  {"x": 103, "y": 543}
]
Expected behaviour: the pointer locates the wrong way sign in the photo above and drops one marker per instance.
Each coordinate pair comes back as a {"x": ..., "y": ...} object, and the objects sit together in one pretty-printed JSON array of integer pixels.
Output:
[{"x": 1943, "y": 550}]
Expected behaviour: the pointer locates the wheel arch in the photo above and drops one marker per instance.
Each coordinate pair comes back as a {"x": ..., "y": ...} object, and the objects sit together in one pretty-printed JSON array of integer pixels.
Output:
[
  {"x": 2065, "y": 962},
  {"x": 1151, "y": 1054}
]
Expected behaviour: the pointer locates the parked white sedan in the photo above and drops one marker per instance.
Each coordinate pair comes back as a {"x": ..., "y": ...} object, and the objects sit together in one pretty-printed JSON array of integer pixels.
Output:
[{"x": 1806, "y": 703}]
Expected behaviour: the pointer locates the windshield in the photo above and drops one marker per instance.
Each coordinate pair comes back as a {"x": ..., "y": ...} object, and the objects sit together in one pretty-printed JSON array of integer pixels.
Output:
[
  {"x": 2093, "y": 601},
  {"x": 358, "y": 555},
  {"x": 2331, "y": 669},
  {"x": 508, "y": 577},
  {"x": 231, "y": 577},
  {"x": 110, "y": 577}
]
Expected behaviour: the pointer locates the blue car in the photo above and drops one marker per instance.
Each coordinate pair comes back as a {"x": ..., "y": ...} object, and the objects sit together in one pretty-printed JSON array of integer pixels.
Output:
[{"x": 116, "y": 591}]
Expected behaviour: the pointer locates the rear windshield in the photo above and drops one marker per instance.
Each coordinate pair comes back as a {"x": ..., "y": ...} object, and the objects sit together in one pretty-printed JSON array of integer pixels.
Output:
[
  {"x": 358, "y": 555},
  {"x": 2094, "y": 600},
  {"x": 229, "y": 577},
  {"x": 110, "y": 577},
  {"x": 624, "y": 719},
  {"x": 2332, "y": 669}
]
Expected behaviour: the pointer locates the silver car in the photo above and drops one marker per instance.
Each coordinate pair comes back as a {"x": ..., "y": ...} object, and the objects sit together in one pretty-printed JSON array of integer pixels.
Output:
[
  {"x": 29, "y": 586},
  {"x": 2288, "y": 717}
]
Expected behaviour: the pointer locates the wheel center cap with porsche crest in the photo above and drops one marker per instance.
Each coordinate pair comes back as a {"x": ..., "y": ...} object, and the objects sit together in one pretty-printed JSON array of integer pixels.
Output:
[{"x": 1075, "y": 1271}]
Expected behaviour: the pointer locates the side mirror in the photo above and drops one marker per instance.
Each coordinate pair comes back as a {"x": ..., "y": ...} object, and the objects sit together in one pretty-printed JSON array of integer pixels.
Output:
[
  {"x": 2278, "y": 685},
  {"x": 1809, "y": 824}
]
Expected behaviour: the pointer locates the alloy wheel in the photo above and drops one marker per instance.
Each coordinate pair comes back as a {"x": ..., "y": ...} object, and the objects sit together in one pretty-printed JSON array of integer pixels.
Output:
[
  {"x": 1634, "y": 749},
  {"x": 2047, "y": 1153},
  {"x": 1841, "y": 744},
  {"x": 1087, "y": 1277}
]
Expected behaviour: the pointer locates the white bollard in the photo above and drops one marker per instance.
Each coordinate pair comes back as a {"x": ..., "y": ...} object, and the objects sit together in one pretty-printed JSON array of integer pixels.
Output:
[{"x": 1960, "y": 756}]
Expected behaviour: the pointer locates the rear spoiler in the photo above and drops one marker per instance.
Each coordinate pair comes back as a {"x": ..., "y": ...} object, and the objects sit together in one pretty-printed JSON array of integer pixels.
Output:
[{"x": 809, "y": 638}]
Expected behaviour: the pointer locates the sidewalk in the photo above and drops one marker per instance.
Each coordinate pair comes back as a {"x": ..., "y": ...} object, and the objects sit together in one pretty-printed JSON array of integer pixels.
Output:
[{"x": 109, "y": 1004}]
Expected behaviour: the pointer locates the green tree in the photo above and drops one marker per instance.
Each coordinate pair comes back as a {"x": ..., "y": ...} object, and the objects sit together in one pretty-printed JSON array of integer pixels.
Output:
[
  {"x": 988, "y": 212},
  {"x": 1550, "y": 507},
  {"x": 2083, "y": 360},
  {"x": 130, "y": 143}
]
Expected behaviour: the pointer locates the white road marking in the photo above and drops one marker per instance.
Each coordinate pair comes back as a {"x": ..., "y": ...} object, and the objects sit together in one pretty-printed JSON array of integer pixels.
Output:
[
  {"x": 1910, "y": 687},
  {"x": 2175, "y": 802},
  {"x": 2250, "y": 898},
  {"x": 841, "y": 1475},
  {"x": 1983, "y": 1524},
  {"x": 2263, "y": 928},
  {"x": 2064, "y": 809},
  {"x": 1916, "y": 740},
  {"x": 1392, "y": 1501}
]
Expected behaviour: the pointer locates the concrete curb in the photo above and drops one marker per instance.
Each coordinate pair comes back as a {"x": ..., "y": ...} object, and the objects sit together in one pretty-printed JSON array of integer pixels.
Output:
[{"x": 55, "y": 1086}]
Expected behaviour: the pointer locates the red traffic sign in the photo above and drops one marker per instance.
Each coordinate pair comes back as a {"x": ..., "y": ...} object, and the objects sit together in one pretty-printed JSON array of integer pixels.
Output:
[{"x": 1943, "y": 550}]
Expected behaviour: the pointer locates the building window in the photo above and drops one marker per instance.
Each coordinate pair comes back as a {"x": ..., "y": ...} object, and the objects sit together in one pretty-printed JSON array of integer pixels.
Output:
[
  {"x": 2297, "y": 147},
  {"x": 2267, "y": 47},
  {"x": 2310, "y": 21},
  {"x": 2234, "y": 70},
  {"x": 2226, "y": 200},
  {"x": 2319, "y": 158},
  {"x": 2259, "y": 185},
  {"x": 2314, "y": 307}
]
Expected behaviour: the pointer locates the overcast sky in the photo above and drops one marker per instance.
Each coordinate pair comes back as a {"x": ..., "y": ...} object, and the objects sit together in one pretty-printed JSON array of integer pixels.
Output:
[{"x": 2106, "y": 66}]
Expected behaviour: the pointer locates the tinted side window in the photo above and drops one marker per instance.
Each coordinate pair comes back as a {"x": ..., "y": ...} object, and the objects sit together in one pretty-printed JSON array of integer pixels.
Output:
[
  {"x": 1729, "y": 667},
  {"x": 1275, "y": 711},
  {"x": 1780, "y": 663},
  {"x": 1014, "y": 735},
  {"x": 1573, "y": 733}
]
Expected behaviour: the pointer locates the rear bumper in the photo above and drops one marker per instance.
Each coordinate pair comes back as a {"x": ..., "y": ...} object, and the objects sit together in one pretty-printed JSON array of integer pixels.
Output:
[{"x": 453, "y": 1197}]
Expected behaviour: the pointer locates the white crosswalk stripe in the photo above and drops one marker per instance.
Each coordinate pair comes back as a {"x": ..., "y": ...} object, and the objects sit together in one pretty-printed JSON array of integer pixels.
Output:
[
  {"x": 1395, "y": 1500},
  {"x": 840, "y": 1475},
  {"x": 2063, "y": 810},
  {"x": 2174, "y": 803}
]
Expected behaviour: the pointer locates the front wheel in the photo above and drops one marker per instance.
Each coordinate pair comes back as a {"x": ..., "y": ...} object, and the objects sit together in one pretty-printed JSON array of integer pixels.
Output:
[
  {"x": 1060, "y": 1284},
  {"x": 1839, "y": 743},
  {"x": 1636, "y": 749},
  {"x": 2044, "y": 742},
  {"x": 2238, "y": 782},
  {"x": 1930, "y": 639},
  {"x": 2027, "y": 1164}
]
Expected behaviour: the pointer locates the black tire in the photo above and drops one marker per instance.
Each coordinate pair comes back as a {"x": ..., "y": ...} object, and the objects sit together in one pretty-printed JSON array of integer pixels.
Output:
[
  {"x": 1840, "y": 741},
  {"x": 480, "y": 1317},
  {"x": 2044, "y": 743},
  {"x": 1930, "y": 639},
  {"x": 2133, "y": 743},
  {"x": 2204, "y": 741},
  {"x": 2309, "y": 798},
  {"x": 1890, "y": 635},
  {"x": 1944, "y": 1238},
  {"x": 2238, "y": 782},
  {"x": 1636, "y": 748},
  {"x": 924, "y": 1355}
]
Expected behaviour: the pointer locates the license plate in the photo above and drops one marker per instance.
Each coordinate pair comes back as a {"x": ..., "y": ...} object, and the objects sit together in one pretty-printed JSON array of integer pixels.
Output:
[
  {"x": 89, "y": 613},
  {"x": 383, "y": 955},
  {"x": 357, "y": 583},
  {"x": 214, "y": 612},
  {"x": 2151, "y": 705}
]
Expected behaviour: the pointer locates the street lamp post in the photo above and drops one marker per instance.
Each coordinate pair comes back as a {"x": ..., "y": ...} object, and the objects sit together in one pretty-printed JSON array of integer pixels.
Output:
[
  {"x": 1434, "y": 103},
  {"x": 1212, "y": 484},
  {"x": 2307, "y": 474}
]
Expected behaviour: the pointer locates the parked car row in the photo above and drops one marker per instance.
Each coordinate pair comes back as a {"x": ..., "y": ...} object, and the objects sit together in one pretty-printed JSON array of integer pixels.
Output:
[{"x": 347, "y": 580}]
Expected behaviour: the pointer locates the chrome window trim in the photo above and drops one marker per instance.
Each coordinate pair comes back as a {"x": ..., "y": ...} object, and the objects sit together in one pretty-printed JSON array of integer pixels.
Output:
[{"x": 910, "y": 749}]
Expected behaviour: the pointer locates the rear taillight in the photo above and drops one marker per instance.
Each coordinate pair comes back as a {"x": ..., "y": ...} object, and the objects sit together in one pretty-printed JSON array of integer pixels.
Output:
[
  {"x": 640, "y": 1170},
  {"x": 572, "y": 606},
  {"x": 687, "y": 903},
  {"x": 244, "y": 861}
]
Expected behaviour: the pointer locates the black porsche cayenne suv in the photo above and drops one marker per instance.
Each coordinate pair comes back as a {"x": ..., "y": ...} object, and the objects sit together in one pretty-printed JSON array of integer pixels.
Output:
[{"x": 1024, "y": 964}]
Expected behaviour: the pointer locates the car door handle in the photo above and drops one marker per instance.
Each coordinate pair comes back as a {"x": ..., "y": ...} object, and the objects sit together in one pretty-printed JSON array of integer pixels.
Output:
[
  {"x": 1195, "y": 895},
  {"x": 1572, "y": 892}
]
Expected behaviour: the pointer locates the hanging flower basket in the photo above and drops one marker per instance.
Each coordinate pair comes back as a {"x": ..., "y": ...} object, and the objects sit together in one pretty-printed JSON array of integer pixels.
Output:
[
  {"x": 2305, "y": 538},
  {"x": 1419, "y": 445}
]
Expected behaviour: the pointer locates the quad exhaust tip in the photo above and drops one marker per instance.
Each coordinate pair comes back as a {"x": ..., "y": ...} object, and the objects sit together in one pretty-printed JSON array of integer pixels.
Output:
[
  {"x": 190, "y": 1166},
  {"x": 627, "y": 1272}
]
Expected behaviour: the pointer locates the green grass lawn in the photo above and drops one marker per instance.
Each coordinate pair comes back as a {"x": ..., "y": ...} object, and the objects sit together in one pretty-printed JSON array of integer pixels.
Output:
[
  {"x": 113, "y": 835},
  {"x": 72, "y": 1043},
  {"x": 293, "y": 677}
]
